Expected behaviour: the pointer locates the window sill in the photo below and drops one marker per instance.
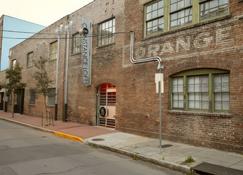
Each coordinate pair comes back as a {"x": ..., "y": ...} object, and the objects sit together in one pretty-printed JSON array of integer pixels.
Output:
[
  {"x": 107, "y": 45},
  {"x": 74, "y": 54},
  {"x": 188, "y": 26},
  {"x": 52, "y": 60},
  {"x": 207, "y": 114}
]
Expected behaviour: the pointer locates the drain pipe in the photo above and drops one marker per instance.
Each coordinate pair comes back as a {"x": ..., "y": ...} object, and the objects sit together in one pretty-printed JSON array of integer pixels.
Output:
[
  {"x": 160, "y": 67},
  {"x": 142, "y": 60}
]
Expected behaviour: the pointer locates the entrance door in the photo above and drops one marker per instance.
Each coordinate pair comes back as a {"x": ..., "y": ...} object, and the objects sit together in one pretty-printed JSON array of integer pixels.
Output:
[
  {"x": 106, "y": 111},
  {"x": 1, "y": 100},
  {"x": 19, "y": 103}
]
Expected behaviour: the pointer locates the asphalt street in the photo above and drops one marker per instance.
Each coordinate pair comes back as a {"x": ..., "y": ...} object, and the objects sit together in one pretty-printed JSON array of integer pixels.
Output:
[{"x": 25, "y": 151}]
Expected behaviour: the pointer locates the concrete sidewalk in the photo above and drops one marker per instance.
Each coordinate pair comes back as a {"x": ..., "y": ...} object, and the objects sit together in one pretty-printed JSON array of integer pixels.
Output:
[{"x": 172, "y": 156}]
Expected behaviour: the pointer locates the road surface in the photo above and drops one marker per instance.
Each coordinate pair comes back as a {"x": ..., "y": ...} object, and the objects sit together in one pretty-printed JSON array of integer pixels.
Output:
[{"x": 25, "y": 151}]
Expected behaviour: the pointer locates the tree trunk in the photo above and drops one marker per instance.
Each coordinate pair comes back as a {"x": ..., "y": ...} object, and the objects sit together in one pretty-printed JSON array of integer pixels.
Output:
[
  {"x": 44, "y": 118},
  {"x": 13, "y": 100}
]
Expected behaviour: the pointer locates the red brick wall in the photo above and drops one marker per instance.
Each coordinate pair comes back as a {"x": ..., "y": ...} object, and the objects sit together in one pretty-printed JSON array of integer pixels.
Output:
[{"x": 139, "y": 112}]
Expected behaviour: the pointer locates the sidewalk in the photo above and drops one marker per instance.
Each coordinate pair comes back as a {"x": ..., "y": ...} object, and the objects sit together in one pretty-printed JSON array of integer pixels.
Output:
[
  {"x": 172, "y": 156},
  {"x": 72, "y": 128}
]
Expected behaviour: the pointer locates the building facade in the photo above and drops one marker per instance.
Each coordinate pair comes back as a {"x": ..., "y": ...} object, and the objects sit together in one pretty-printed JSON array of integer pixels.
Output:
[
  {"x": 11, "y": 34},
  {"x": 201, "y": 47}
]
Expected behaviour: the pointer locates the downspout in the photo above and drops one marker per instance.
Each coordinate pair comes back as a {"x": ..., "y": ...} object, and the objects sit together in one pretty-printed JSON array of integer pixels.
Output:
[{"x": 142, "y": 60}]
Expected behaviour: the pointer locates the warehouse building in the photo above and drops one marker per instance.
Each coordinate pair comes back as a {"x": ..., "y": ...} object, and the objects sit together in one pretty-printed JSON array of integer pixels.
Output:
[{"x": 201, "y": 47}]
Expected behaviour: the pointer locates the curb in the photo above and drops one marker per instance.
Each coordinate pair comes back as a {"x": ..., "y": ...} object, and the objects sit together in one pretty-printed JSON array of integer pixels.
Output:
[
  {"x": 68, "y": 136},
  {"x": 163, "y": 163},
  {"x": 56, "y": 133}
]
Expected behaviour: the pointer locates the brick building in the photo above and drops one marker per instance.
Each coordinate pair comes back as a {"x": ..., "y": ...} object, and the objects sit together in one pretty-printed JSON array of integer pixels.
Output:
[{"x": 201, "y": 46}]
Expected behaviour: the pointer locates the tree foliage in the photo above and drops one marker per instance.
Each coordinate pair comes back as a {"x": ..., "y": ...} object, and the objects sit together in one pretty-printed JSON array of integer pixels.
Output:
[
  {"x": 14, "y": 78},
  {"x": 43, "y": 83},
  {"x": 13, "y": 83}
]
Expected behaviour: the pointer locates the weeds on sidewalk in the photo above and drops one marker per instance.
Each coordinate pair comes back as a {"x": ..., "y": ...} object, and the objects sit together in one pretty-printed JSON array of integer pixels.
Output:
[{"x": 188, "y": 160}]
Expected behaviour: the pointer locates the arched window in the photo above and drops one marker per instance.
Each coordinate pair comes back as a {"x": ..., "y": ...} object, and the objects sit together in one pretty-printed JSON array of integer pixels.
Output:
[{"x": 200, "y": 90}]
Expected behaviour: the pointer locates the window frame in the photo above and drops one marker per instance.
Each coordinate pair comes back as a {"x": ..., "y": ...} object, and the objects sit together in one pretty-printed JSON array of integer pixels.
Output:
[
  {"x": 50, "y": 53},
  {"x": 13, "y": 63},
  {"x": 211, "y": 73},
  {"x": 196, "y": 19},
  {"x": 29, "y": 58},
  {"x": 74, "y": 43},
  {"x": 99, "y": 36},
  {"x": 152, "y": 19},
  {"x": 48, "y": 96},
  {"x": 30, "y": 99}
]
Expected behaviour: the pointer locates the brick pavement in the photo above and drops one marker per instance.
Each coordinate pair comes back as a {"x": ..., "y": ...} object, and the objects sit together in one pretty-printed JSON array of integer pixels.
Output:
[{"x": 73, "y": 128}]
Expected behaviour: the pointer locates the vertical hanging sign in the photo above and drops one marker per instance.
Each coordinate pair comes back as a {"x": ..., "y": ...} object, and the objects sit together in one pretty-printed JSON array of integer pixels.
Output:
[{"x": 86, "y": 50}]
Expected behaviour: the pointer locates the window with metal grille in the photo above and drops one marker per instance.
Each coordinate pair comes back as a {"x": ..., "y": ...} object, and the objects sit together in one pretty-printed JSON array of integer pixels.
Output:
[
  {"x": 154, "y": 17},
  {"x": 180, "y": 12},
  {"x": 106, "y": 32}
]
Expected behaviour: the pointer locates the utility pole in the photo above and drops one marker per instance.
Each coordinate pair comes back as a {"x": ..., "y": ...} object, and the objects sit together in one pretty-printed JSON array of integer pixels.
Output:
[
  {"x": 58, "y": 31},
  {"x": 67, "y": 29}
]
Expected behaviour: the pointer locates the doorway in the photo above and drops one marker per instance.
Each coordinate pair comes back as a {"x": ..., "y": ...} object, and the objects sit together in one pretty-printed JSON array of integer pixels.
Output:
[
  {"x": 19, "y": 101},
  {"x": 106, "y": 105},
  {"x": 1, "y": 100}
]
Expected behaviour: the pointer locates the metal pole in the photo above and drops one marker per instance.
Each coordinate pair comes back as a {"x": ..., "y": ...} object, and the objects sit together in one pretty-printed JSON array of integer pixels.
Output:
[
  {"x": 66, "y": 77},
  {"x": 57, "y": 72},
  {"x": 160, "y": 113}
]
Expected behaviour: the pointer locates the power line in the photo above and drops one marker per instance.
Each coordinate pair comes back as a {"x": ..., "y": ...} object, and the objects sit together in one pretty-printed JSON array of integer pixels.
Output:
[{"x": 31, "y": 37}]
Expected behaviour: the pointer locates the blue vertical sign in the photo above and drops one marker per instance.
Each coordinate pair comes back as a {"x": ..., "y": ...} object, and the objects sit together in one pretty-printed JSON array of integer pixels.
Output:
[{"x": 86, "y": 51}]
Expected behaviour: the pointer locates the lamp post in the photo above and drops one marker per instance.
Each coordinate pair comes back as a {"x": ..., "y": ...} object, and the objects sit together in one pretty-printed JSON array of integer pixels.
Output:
[{"x": 67, "y": 30}]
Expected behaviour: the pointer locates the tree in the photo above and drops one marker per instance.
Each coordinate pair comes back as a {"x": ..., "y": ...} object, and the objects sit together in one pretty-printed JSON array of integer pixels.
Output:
[
  {"x": 43, "y": 83},
  {"x": 14, "y": 78}
]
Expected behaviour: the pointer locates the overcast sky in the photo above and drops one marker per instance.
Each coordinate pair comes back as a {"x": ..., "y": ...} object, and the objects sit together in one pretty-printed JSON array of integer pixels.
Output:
[{"x": 43, "y": 12}]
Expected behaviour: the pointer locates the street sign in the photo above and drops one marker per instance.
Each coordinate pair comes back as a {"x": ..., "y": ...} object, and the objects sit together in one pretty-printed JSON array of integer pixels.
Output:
[{"x": 159, "y": 78}]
